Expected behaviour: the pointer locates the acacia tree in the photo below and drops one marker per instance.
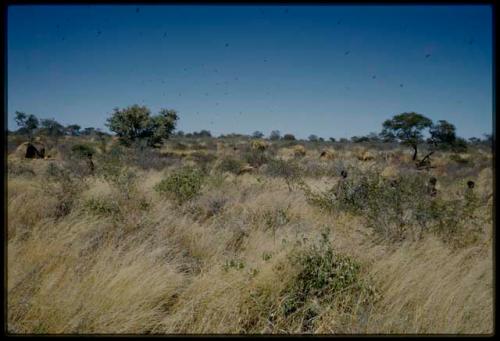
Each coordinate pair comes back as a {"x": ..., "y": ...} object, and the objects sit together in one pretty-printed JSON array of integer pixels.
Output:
[
  {"x": 442, "y": 134},
  {"x": 136, "y": 123},
  {"x": 26, "y": 123},
  {"x": 73, "y": 129},
  {"x": 407, "y": 128},
  {"x": 257, "y": 134},
  {"x": 51, "y": 128},
  {"x": 275, "y": 135}
]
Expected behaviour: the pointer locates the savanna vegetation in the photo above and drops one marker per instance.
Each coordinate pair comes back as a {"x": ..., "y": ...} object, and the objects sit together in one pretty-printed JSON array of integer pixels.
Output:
[{"x": 155, "y": 232}]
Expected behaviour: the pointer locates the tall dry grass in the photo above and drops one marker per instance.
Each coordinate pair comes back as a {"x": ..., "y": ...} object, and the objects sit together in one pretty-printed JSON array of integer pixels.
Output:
[{"x": 222, "y": 262}]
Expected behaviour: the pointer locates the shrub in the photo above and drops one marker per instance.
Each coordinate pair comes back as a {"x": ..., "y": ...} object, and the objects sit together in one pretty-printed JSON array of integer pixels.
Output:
[
  {"x": 101, "y": 206},
  {"x": 182, "y": 185},
  {"x": 255, "y": 158},
  {"x": 230, "y": 164},
  {"x": 324, "y": 278},
  {"x": 289, "y": 170},
  {"x": 82, "y": 150}
]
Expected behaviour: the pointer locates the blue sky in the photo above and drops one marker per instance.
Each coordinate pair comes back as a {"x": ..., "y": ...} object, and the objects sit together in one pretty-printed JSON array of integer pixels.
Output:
[{"x": 333, "y": 71}]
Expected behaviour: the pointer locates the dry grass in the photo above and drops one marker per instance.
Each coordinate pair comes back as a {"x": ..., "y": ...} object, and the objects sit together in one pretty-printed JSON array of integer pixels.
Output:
[{"x": 222, "y": 262}]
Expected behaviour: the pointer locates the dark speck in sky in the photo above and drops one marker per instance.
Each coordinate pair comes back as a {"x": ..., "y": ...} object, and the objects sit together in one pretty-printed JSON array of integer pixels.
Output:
[
  {"x": 137, "y": 10},
  {"x": 227, "y": 44},
  {"x": 347, "y": 52},
  {"x": 99, "y": 33},
  {"x": 374, "y": 76},
  {"x": 400, "y": 85},
  {"x": 427, "y": 55},
  {"x": 471, "y": 41}
]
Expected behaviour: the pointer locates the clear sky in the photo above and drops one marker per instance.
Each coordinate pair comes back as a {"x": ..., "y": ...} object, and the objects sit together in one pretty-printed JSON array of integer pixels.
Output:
[{"x": 333, "y": 71}]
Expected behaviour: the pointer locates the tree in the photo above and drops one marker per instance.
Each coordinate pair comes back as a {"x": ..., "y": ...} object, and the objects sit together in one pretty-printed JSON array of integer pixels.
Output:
[
  {"x": 289, "y": 137},
  {"x": 73, "y": 129},
  {"x": 275, "y": 135},
  {"x": 407, "y": 128},
  {"x": 88, "y": 131},
  {"x": 162, "y": 126},
  {"x": 332, "y": 139},
  {"x": 26, "y": 123},
  {"x": 442, "y": 134},
  {"x": 136, "y": 123},
  {"x": 257, "y": 134},
  {"x": 202, "y": 133},
  {"x": 313, "y": 138},
  {"x": 50, "y": 127}
]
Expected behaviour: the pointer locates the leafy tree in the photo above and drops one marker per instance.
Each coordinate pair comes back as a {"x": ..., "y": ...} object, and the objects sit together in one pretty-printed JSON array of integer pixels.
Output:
[
  {"x": 275, "y": 135},
  {"x": 202, "y": 133},
  {"x": 88, "y": 131},
  {"x": 289, "y": 137},
  {"x": 407, "y": 128},
  {"x": 359, "y": 139},
  {"x": 332, "y": 139},
  {"x": 474, "y": 140},
  {"x": 343, "y": 140},
  {"x": 73, "y": 129},
  {"x": 257, "y": 134},
  {"x": 313, "y": 138},
  {"x": 162, "y": 126},
  {"x": 136, "y": 123},
  {"x": 180, "y": 133},
  {"x": 26, "y": 123},
  {"x": 442, "y": 134},
  {"x": 50, "y": 127}
]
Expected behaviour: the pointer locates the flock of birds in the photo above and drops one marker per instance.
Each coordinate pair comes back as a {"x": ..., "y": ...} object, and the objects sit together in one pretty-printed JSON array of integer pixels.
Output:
[{"x": 227, "y": 45}]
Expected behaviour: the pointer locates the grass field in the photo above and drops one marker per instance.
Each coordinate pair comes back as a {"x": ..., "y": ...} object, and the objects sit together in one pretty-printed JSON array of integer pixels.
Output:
[{"x": 229, "y": 236}]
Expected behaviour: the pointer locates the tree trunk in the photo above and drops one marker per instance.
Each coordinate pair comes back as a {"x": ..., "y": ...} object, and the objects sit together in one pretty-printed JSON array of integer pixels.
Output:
[{"x": 415, "y": 153}]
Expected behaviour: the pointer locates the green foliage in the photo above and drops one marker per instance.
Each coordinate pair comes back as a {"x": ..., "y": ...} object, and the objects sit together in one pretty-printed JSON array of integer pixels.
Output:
[
  {"x": 50, "y": 127},
  {"x": 83, "y": 150},
  {"x": 407, "y": 128},
  {"x": 289, "y": 137},
  {"x": 275, "y": 135},
  {"x": 101, "y": 206},
  {"x": 324, "y": 278},
  {"x": 135, "y": 122},
  {"x": 442, "y": 133},
  {"x": 26, "y": 123},
  {"x": 230, "y": 164},
  {"x": 398, "y": 209},
  {"x": 256, "y": 157},
  {"x": 183, "y": 185}
]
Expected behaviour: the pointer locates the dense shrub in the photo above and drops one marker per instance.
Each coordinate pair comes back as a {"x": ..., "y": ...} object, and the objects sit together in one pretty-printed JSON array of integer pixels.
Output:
[
  {"x": 230, "y": 164},
  {"x": 397, "y": 209},
  {"x": 289, "y": 170},
  {"x": 183, "y": 185}
]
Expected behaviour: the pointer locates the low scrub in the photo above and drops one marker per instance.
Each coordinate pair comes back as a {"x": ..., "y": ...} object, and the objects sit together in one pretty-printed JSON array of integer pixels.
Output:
[{"x": 182, "y": 185}]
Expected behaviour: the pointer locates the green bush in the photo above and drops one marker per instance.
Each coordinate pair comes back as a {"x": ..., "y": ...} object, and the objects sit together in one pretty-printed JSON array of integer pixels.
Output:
[
  {"x": 82, "y": 150},
  {"x": 324, "y": 278},
  {"x": 183, "y": 185},
  {"x": 230, "y": 164},
  {"x": 101, "y": 206}
]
